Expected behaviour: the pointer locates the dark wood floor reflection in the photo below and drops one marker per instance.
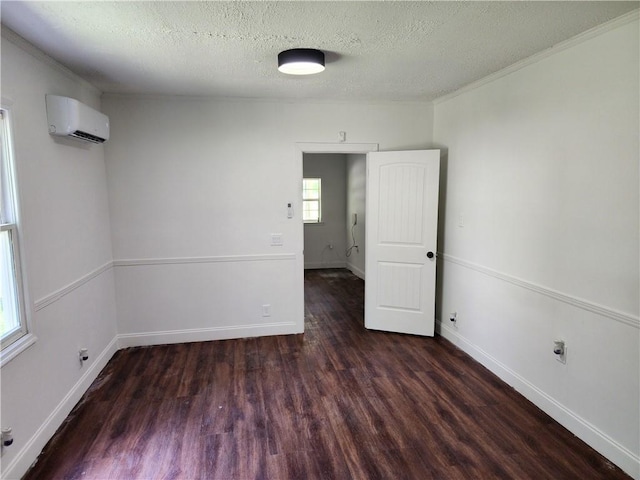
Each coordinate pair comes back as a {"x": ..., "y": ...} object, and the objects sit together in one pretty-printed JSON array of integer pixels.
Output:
[{"x": 338, "y": 402}]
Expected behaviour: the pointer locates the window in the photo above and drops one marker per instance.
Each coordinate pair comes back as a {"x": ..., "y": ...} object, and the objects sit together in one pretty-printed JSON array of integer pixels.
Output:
[
  {"x": 311, "y": 210},
  {"x": 13, "y": 325}
]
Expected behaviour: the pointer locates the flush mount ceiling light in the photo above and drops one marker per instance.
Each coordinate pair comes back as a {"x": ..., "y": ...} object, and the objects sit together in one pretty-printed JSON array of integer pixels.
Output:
[{"x": 301, "y": 61}]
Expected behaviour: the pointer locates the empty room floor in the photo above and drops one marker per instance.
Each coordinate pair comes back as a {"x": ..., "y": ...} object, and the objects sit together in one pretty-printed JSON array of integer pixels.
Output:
[{"x": 338, "y": 402}]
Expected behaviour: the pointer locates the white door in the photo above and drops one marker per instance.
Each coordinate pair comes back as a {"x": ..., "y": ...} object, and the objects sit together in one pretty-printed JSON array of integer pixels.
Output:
[{"x": 402, "y": 221}]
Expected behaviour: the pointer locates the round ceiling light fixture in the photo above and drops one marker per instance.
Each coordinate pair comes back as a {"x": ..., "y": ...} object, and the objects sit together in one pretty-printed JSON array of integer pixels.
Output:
[{"x": 301, "y": 61}]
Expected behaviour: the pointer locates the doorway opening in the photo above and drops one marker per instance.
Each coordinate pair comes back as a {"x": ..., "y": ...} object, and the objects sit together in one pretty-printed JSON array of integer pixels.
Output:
[{"x": 335, "y": 231}]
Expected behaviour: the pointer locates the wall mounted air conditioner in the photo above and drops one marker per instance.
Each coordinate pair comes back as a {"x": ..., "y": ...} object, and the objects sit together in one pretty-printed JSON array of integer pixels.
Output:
[{"x": 68, "y": 117}]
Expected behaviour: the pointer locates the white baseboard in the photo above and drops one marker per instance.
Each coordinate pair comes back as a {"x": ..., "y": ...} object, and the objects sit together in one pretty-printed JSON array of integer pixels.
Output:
[
  {"x": 319, "y": 265},
  {"x": 140, "y": 339},
  {"x": 32, "y": 448},
  {"x": 355, "y": 270},
  {"x": 598, "y": 440}
]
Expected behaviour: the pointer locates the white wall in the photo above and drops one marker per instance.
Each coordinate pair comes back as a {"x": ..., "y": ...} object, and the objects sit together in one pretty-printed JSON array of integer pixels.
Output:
[
  {"x": 67, "y": 251},
  {"x": 331, "y": 168},
  {"x": 541, "y": 171},
  {"x": 356, "y": 195},
  {"x": 540, "y": 212},
  {"x": 198, "y": 186}
]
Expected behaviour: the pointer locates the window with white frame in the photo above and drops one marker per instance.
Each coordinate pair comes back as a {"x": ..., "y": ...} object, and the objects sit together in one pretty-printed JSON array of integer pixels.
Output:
[
  {"x": 311, "y": 200},
  {"x": 13, "y": 324}
]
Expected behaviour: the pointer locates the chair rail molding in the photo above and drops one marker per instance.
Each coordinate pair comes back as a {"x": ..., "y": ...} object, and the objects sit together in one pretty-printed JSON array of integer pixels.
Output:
[{"x": 622, "y": 317}]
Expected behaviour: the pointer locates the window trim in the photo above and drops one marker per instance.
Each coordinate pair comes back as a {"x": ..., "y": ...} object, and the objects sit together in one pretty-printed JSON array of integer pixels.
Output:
[
  {"x": 319, "y": 200},
  {"x": 21, "y": 339},
  {"x": 18, "y": 284}
]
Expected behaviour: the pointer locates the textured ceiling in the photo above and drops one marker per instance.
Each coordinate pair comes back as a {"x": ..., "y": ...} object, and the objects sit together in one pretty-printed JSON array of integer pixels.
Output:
[{"x": 391, "y": 50}]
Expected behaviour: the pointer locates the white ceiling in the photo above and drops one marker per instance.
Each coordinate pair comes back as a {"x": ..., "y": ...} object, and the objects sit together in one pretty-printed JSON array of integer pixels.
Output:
[{"x": 392, "y": 50}]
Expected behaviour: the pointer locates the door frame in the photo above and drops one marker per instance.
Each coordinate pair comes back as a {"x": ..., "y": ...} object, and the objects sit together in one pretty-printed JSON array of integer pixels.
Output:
[{"x": 300, "y": 149}]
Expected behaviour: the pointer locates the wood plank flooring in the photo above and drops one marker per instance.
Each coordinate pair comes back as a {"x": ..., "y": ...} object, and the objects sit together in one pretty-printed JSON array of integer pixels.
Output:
[{"x": 338, "y": 402}]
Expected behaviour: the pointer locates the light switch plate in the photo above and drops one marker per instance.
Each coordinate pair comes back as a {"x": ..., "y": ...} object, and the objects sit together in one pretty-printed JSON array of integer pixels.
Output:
[{"x": 276, "y": 239}]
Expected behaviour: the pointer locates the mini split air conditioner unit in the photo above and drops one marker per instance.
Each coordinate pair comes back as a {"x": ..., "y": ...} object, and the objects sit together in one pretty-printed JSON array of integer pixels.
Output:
[{"x": 69, "y": 118}]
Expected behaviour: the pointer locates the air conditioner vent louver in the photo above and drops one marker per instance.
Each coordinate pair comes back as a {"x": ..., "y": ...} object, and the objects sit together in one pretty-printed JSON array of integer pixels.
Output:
[
  {"x": 67, "y": 117},
  {"x": 87, "y": 136}
]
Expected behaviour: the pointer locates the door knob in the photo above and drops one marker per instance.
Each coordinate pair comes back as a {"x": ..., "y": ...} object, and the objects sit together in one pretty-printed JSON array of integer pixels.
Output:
[{"x": 429, "y": 254}]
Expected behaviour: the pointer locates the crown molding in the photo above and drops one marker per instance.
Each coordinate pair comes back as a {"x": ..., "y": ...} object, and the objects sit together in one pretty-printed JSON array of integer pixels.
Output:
[
  {"x": 11, "y": 36},
  {"x": 537, "y": 57}
]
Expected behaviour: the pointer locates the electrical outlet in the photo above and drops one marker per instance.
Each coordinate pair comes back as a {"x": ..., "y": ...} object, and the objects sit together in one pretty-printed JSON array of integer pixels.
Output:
[
  {"x": 83, "y": 354},
  {"x": 266, "y": 310},
  {"x": 560, "y": 351},
  {"x": 7, "y": 437},
  {"x": 453, "y": 317}
]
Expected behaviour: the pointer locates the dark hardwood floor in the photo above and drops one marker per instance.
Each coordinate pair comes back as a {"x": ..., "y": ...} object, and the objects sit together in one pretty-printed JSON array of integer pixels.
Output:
[{"x": 338, "y": 402}]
